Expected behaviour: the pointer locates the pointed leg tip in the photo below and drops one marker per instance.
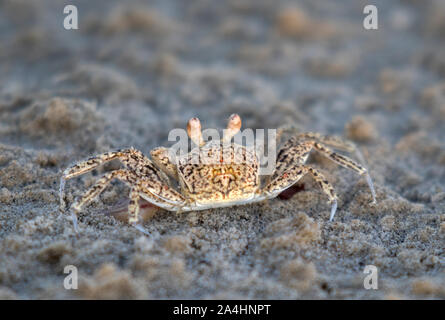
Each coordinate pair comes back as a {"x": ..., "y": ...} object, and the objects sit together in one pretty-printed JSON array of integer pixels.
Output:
[
  {"x": 333, "y": 210},
  {"x": 371, "y": 187},
  {"x": 140, "y": 228},
  {"x": 75, "y": 224}
]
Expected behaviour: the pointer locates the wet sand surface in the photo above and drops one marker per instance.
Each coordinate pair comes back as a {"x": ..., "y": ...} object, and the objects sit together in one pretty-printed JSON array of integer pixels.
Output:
[{"x": 132, "y": 72}]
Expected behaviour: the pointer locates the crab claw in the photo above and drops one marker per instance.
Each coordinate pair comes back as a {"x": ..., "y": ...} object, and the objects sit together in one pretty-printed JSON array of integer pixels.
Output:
[
  {"x": 194, "y": 131},
  {"x": 233, "y": 126}
]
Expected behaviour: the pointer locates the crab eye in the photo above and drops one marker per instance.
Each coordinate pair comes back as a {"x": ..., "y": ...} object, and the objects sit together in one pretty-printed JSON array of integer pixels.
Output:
[
  {"x": 194, "y": 131},
  {"x": 234, "y": 121},
  {"x": 233, "y": 127}
]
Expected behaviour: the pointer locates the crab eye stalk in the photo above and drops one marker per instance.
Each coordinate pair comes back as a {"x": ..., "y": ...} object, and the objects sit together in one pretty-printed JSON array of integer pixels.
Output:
[
  {"x": 233, "y": 126},
  {"x": 194, "y": 131}
]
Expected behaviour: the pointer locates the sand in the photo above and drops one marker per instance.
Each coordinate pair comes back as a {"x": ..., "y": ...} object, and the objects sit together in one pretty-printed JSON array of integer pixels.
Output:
[{"x": 131, "y": 73}]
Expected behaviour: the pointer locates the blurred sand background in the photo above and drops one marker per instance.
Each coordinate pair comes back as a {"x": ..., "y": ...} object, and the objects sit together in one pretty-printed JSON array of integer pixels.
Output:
[{"x": 134, "y": 71}]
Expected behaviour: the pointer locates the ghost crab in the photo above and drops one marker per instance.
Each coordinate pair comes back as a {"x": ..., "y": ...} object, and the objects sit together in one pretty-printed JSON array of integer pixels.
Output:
[{"x": 212, "y": 182}]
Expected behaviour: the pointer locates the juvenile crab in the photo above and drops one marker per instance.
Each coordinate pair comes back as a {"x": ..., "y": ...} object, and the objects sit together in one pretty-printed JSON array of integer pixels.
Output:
[{"x": 212, "y": 182}]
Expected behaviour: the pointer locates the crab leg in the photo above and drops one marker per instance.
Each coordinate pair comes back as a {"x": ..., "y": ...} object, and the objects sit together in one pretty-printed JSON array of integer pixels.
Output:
[
  {"x": 91, "y": 163},
  {"x": 292, "y": 154},
  {"x": 81, "y": 168},
  {"x": 133, "y": 210},
  {"x": 296, "y": 153},
  {"x": 96, "y": 190},
  {"x": 132, "y": 180},
  {"x": 161, "y": 159},
  {"x": 347, "y": 163},
  {"x": 141, "y": 175},
  {"x": 293, "y": 175},
  {"x": 173, "y": 202},
  {"x": 333, "y": 141},
  {"x": 88, "y": 165}
]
